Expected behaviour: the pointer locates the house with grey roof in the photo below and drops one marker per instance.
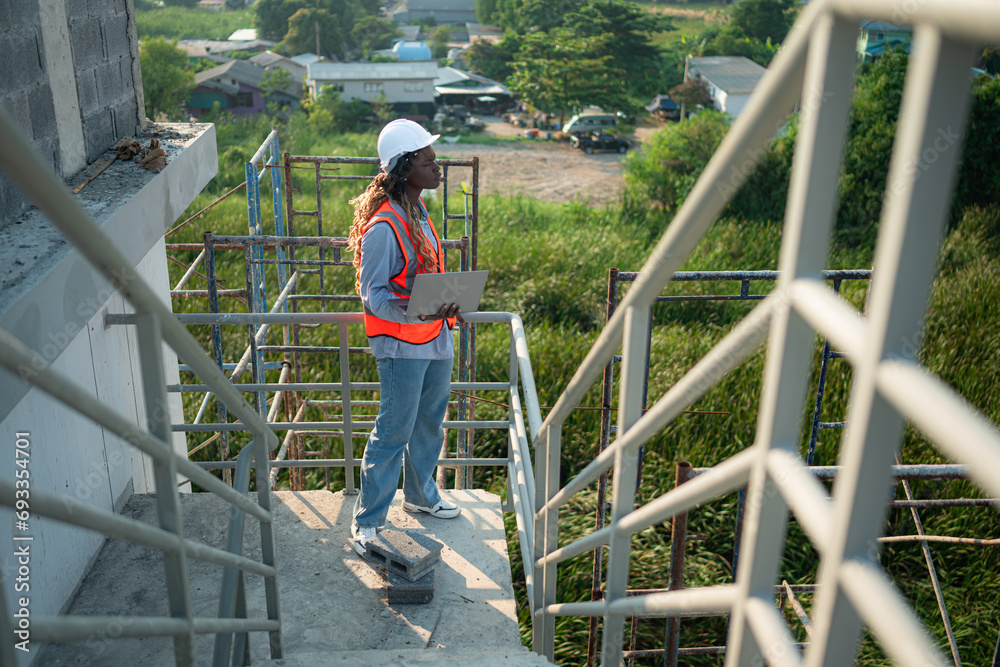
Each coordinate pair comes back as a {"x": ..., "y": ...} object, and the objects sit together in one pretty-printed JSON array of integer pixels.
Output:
[
  {"x": 236, "y": 87},
  {"x": 450, "y": 12},
  {"x": 455, "y": 86},
  {"x": 405, "y": 85},
  {"x": 730, "y": 79},
  {"x": 271, "y": 61},
  {"x": 222, "y": 47},
  {"x": 479, "y": 32},
  {"x": 877, "y": 36}
]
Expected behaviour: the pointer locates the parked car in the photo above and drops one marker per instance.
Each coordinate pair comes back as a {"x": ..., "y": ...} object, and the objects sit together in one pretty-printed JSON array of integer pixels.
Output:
[
  {"x": 599, "y": 141},
  {"x": 590, "y": 122}
]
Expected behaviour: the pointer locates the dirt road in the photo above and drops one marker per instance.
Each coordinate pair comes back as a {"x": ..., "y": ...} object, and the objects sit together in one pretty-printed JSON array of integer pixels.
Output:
[{"x": 546, "y": 170}]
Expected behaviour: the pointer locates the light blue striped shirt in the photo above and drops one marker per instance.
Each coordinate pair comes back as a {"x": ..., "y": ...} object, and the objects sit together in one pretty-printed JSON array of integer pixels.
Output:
[{"x": 381, "y": 259}]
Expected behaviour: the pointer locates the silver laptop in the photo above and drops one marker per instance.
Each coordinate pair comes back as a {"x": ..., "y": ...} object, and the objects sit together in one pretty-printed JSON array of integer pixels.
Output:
[{"x": 433, "y": 290}]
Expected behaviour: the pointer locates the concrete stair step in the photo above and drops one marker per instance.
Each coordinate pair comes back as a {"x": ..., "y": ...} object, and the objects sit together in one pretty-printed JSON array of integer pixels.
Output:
[
  {"x": 497, "y": 657},
  {"x": 332, "y": 600}
]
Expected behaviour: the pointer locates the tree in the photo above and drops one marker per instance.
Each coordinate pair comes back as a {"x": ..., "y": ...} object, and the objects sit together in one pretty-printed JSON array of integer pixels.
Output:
[
  {"x": 691, "y": 93},
  {"x": 493, "y": 60},
  {"x": 236, "y": 4},
  {"x": 558, "y": 70},
  {"x": 764, "y": 19},
  {"x": 732, "y": 42},
  {"x": 180, "y": 3},
  {"x": 370, "y": 7},
  {"x": 874, "y": 112},
  {"x": 624, "y": 29},
  {"x": 979, "y": 177},
  {"x": 674, "y": 158},
  {"x": 383, "y": 109},
  {"x": 302, "y": 27},
  {"x": 276, "y": 81},
  {"x": 990, "y": 60},
  {"x": 441, "y": 37},
  {"x": 166, "y": 80},
  {"x": 485, "y": 10},
  {"x": 270, "y": 17},
  {"x": 371, "y": 33},
  {"x": 329, "y": 114},
  {"x": 524, "y": 16}
]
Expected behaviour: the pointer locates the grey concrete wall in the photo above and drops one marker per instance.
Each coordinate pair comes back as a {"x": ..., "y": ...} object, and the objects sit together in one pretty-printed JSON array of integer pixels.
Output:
[
  {"x": 69, "y": 77},
  {"x": 101, "y": 38},
  {"x": 76, "y": 458},
  {"x": 58, "y": 311},
  {"x": 25, "y": 92}
]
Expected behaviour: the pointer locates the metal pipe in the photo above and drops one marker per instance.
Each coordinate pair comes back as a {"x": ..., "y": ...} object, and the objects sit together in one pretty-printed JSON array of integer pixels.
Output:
[
  {"x": 924, "y": 472},
  {"x": 340, "y": 463},
  {"x": 737, "y": 345},
  {"x": 299, "y": 426},
  {"x": 777, "y": 94},
  {"x": 945, "y": 418},
  {"x": 79, "y": 628},
  {"x": 678, "y": 539},
  {"x": 797, "y": 607},
  {"x": 15, "y": 355},
  {"x": 327, "y": 387},
  {"x": 881, "y": 607},
  {"x": 190, "y": 271},
  {"x": 113, "y": 525},
  {"x": 283, "y": 450}
]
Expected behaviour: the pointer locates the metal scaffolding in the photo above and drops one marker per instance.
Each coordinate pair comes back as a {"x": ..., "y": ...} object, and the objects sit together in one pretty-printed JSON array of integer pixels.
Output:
[
  {"x": 786, "y": 594},
  {"x": 287, "y": 257}
]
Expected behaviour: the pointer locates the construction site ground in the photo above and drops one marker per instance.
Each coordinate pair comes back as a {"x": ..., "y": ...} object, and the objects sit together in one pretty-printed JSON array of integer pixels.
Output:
[
  {"x": 332, "y": 601},
  {"x": 548, "y": 170}
]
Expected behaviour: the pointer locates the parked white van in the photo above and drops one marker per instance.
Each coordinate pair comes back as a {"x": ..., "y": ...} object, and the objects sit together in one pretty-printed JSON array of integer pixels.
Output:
[{"x": 591, "y": 122}]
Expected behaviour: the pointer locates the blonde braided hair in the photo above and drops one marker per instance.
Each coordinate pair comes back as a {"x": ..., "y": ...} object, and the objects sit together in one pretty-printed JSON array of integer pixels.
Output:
[{"x": 384, "y": 187}]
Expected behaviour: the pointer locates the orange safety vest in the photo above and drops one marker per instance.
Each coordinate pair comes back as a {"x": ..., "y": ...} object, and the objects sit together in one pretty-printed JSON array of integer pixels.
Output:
[{"x": 402, "y": 283}]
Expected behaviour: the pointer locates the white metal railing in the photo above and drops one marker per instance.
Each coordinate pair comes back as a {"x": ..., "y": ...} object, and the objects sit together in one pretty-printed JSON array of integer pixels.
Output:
[
  {"x": 155, "y": 325},
  {"x": 813, "y": 71}
]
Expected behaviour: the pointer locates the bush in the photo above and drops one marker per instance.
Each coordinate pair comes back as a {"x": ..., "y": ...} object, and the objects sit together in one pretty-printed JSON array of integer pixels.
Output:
[
  {"x": 670, "y": 165},
  {"x": 328, "y": 114}
]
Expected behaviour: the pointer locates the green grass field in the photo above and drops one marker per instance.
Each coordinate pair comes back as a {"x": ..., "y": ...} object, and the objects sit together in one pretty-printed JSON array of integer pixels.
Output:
[
  {"x": 183, "y": 23},
  {"x": 549, "y": 263}
]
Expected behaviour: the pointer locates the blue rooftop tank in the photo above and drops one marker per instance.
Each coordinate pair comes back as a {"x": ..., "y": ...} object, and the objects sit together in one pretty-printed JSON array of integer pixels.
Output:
[{"x": 412, "y": 51}]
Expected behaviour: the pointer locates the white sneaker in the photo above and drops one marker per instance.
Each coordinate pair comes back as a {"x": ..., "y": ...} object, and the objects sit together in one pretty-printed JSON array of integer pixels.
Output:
[
  {"x": 360, "y": 536},
  {"x": 442, "y": 510}
]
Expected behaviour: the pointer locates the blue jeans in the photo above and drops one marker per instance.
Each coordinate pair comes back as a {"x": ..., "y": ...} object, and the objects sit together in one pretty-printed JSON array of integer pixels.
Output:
[{"x": 412, "y": 405}]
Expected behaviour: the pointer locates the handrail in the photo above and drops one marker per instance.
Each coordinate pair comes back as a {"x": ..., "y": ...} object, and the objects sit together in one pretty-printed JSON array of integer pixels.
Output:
[
  {"x": 748, "y": 138},
  {"x": 20, "y": 162},
  {"x": 814, "y": 69}
]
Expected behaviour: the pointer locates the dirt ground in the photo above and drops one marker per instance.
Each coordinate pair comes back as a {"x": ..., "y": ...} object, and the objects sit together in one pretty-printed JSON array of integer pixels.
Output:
[{"x": 546, "y": 170}]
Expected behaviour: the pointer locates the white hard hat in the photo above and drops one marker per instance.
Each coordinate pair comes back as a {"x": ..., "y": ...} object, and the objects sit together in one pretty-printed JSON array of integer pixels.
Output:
[{"x": 399, "y": 138}]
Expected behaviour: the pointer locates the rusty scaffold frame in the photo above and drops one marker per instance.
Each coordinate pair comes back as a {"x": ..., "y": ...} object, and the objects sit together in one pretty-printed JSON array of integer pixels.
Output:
[
  {"x": 786, "y": 594},
  {"x": 275, "y": 246}
]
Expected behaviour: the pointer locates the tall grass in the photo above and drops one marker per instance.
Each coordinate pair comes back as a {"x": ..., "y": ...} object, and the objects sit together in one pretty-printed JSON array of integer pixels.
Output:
[
  {"x": 190, "y": 23},
  {"x": 549, "y": 263}
]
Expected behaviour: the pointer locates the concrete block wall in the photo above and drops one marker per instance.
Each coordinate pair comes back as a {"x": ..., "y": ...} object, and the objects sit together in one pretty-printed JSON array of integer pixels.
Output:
[
  {"x": 70, "y": 79},
  {"x": 25, "y": 92},
  {"x": 101, "y": 38}
]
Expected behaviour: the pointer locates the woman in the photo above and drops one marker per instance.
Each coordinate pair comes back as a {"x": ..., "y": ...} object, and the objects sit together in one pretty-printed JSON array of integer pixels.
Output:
[{"x": 393, "y": 240}]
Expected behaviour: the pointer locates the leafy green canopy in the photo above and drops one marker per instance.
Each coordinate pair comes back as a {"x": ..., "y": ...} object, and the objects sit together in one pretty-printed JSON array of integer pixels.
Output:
[
  {"x": 599, "y": 49},
  {"x": 295, "y": 23},
  {"x": 166, "y": 79},
  {"x": 668, "y": 167},
  {"x": 764, "y": 20},
  {"x": 557, "y": 70}
]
